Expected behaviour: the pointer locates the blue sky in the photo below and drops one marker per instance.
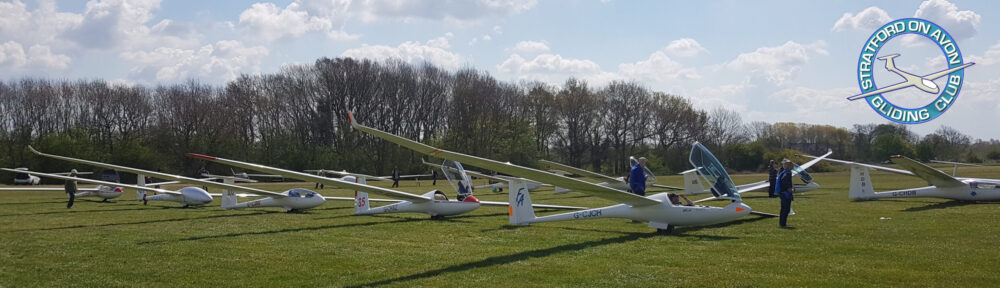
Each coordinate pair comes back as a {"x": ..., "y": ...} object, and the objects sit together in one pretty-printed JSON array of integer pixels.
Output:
[{"x": 769, "y": 60}]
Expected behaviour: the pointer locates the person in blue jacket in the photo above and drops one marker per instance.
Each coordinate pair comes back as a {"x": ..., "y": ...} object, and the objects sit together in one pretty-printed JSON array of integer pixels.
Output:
[
  {"x": 637, "y": 177},
  {"x": 785, "y": 190}
]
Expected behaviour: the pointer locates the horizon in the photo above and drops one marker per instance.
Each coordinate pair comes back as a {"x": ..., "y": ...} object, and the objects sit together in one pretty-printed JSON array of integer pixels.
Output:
[{"x": 743, "y": 56}]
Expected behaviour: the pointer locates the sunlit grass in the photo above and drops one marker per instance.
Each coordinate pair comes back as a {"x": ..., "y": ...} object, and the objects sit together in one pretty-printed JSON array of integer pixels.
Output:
[{"x": 835, "y": 243}]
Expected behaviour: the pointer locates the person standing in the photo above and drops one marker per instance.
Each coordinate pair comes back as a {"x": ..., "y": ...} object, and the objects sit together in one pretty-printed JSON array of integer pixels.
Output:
[
  {"x": 637, "y": 178},
  {"x": 395, "y": 178},
  {"x": 785, "y": 190},
  {"x": 319, "y": 173},
  {"x": 434, "y": 174},
  {"x": 772, "y": 176},
  {"x": 71, "y": 189}
]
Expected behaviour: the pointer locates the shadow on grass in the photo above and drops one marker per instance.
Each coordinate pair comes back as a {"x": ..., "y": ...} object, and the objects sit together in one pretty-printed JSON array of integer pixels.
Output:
[
  {"x": 72, "y": 211},
  {"x": 685, "y": 229},
  {"x": 940, "y": 205},
  {"x": 505, "y": 259},
  {"x": 287, "y": 230},
  {"x": 136, "y": 223},
  {"x": 29, "y": 203}
]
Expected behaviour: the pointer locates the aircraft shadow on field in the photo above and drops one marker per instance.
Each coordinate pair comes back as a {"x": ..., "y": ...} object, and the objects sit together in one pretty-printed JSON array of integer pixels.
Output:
[
  {"x": 70, "y": 211},
  {"x": 683, "y": 230},
  {"x": 505, "y": 259},
  {"x": 137, "y": 222},
  {"x": 939, "y": 205},
  {"x": 287, "y": 230},
  {"x": 28, "y": 203}
]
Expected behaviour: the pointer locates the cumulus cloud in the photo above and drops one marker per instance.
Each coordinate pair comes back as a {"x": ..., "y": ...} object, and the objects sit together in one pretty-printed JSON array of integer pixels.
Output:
[
  {"x": 659, "y": 67},
  {"x": 869, "y": 19},
  {"x": 777, "y": 63},
  {"x": 990, "y": 57},
  {"x": 221, "y": 61},
  {"x": 461, "y": 11},
  {"x": 547, "y": 63},
  {"x": 531, "y": 47},
  {"x": 960, "y": 24},
  {"x": 268, "y": 23},
  {"x": 434, "y": 51},
  {"x": 685, "y": 47},
  {"x": 38, "y": 57}
]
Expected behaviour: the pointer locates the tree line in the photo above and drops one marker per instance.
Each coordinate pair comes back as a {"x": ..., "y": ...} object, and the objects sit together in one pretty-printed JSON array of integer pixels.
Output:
[{"x": 296, "y": 119}]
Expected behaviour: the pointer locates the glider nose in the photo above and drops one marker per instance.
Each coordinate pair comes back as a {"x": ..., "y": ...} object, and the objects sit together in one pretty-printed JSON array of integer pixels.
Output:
[{"x": 471, "y": 198}]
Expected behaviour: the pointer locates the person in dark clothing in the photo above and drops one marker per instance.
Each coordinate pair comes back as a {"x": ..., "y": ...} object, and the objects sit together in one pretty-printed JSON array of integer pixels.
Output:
[
  {"x": 637, "y": 178},
  {"x": 785, "y": 190},
  {"x": 772, "y": 176},
  {"x": 71, "y": 189},
  {"x": 435, "y": 176},
  {"x": 320, "y": 174},
  {"x": 395, "y": 178}
]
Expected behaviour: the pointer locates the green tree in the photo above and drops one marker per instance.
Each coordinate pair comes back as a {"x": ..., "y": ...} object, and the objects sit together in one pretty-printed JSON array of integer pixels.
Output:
[{"x": 886, "y": 145}]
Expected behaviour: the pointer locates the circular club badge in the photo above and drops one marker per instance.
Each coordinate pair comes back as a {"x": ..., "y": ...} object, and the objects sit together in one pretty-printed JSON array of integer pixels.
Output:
[{"x": 945, "y": 95}]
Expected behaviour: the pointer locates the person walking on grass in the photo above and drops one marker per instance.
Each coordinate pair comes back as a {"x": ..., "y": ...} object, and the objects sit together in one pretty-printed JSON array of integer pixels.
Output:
[
  {"x": 785, "y": 190},
  {"x": 71, "y": 189}
]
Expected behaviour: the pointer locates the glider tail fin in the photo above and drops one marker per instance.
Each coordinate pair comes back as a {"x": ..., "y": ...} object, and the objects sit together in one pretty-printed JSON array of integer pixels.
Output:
[
  {"x": 521, "y": 211},
  {"x": 692, "y": 183},
  {"x": 861, "y": 183},
  {"x": 361, "y": 204},
  {"x": 140, "y": 181},
  {"x": 228, "y": 196}
]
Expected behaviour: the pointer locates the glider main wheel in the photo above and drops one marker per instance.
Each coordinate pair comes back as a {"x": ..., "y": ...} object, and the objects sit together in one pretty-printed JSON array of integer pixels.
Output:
[{"x": 670, "y": 229}]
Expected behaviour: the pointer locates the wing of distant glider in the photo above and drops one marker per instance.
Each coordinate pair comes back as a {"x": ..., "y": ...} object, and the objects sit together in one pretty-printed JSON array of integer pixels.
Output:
[
  {"x": 932, "y": 176},
  {"x": 511, "y": 169},
  {"x": 59, "y": 189},
  {"x": 578, "y": 171},
  {"x": 343, "y": 173},
  {"x": 887, "y": 169},
  {"x": 93, "y": 181},
  {"x": 314, "y": 178},
  {"x": 369, "y": 199},
  {"x": 160, "y": 175},
  {"x": 540, "y": 206}
]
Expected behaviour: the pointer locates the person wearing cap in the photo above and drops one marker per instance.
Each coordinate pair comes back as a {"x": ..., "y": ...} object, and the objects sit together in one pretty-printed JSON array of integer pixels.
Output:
[
  {"x": 71, "y": 189},
  {"x": 785, "y": 190},
  {"x": 637, "y": 177},
  {"x": 772, "y": 176}
]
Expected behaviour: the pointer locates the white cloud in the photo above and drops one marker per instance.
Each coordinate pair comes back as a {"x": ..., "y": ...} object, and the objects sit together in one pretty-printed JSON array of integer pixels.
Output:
[
  {"x": 38, "y": 57},
  {"x": 435, "y": 51},
  {"x": 659, "y": 68},
  {"x": 460, "y": 11},
  {"x": 990, "y": 57},
  {"x": 685, "y": 47},
  {"x": 960, "y": 24},
  {"x": 268, "y": 23},
  {"x": 222, "y": 61},
  {"x": 777, "y": 64},
  {"x": 868, "y": 20},
  {"x": 12, "y": 54},
  {"x": 531, "y": 47},
  {"x": 548, "y": 63}
]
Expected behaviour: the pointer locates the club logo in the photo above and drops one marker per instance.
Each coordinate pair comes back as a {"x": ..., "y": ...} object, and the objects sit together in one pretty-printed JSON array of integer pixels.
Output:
[{"x": 954, "y": 74}]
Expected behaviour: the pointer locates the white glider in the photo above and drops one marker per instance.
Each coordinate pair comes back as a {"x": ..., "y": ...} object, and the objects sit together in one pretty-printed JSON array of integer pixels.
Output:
[
  {"x": 657, "y": 209},
  {"x": 434, "y": 203},
  {"x": 297, "y": 199},
  {"x": 942, "y": 185}
]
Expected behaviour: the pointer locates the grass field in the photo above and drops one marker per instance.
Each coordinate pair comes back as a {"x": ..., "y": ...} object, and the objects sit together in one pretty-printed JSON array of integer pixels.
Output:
[{"x": 835, "y": 243}]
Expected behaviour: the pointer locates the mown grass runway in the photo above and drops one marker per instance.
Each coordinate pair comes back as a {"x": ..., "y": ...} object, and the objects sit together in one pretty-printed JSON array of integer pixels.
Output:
[{"x": 835, "y": 243}]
